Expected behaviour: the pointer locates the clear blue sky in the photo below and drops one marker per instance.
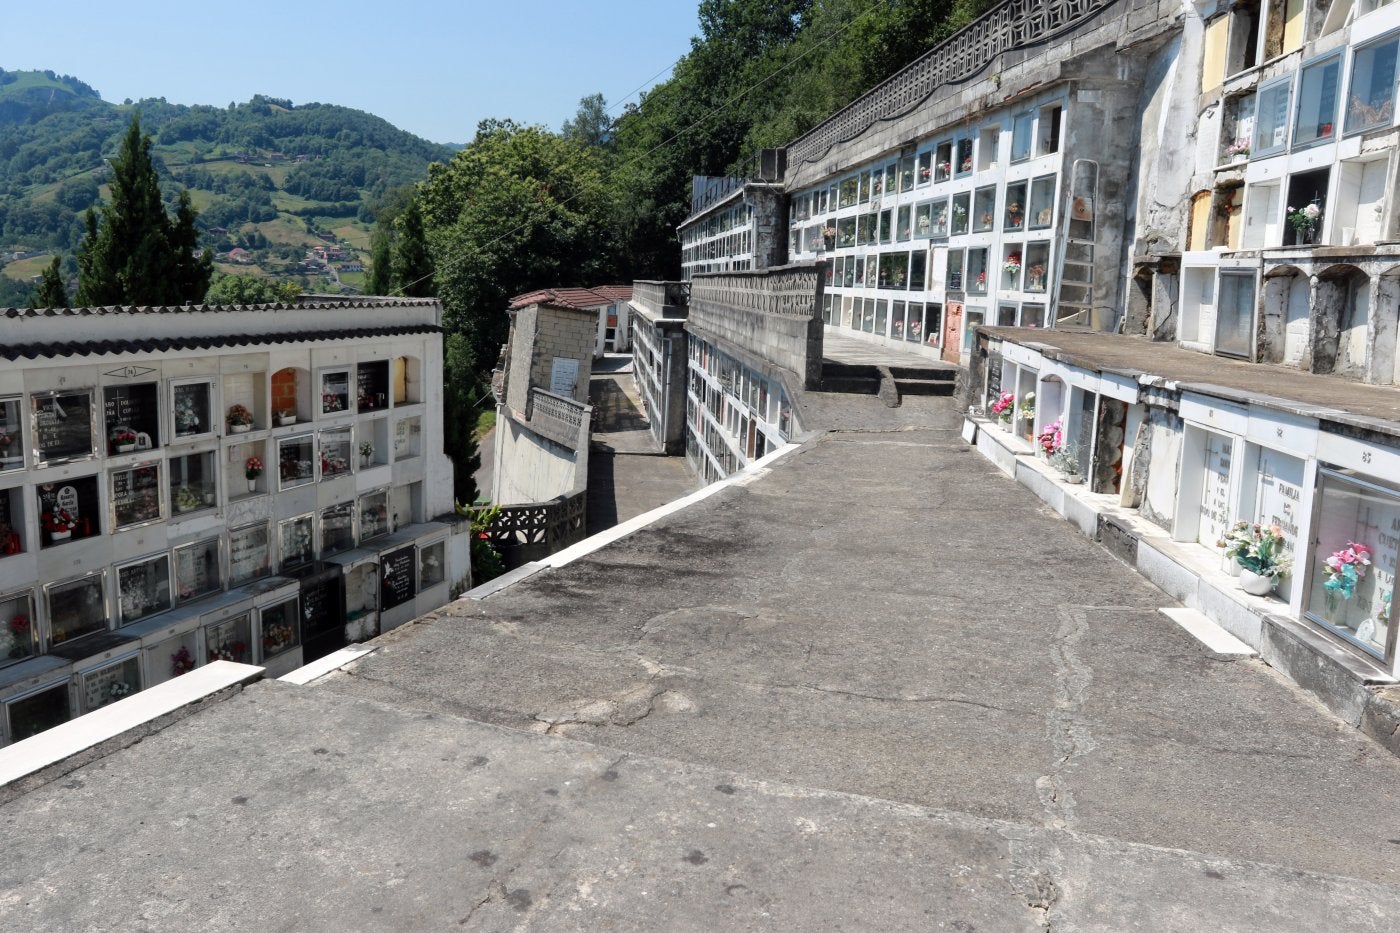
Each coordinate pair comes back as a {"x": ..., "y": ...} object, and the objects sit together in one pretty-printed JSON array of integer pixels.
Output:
[{"x": 432, "y": 67}]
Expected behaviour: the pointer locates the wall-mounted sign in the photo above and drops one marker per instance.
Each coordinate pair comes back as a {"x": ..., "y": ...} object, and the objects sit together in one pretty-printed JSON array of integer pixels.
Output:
[{"x": 563, "y": 376}]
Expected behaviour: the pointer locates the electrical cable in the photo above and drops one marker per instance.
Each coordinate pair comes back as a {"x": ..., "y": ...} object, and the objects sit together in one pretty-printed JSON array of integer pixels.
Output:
[{"x": 677, "y": 135}]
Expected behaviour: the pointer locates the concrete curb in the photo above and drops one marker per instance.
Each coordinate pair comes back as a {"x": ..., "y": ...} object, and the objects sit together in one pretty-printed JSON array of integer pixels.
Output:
[
  {"x": 1357, "y": 692},
  {"x": 750, "y": 474},
  {"x": 327, "y": 664},
  {"x": 42, "y": 758}
]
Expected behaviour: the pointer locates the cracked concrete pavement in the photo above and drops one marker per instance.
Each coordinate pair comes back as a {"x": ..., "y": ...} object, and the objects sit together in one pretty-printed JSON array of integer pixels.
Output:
[{"x": 880, "y": 688}]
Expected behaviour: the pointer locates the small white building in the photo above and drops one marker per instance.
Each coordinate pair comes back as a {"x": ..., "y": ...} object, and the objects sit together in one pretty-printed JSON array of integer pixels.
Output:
[{"x": 261, "y": 484}]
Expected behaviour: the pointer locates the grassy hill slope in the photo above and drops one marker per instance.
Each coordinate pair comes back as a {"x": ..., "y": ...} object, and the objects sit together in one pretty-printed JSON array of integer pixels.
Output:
[{"x": 267, "y": 176}]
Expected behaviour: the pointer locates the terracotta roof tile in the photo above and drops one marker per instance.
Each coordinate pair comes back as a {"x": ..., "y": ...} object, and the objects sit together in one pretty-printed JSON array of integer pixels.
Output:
[{"x": 580, "y": 299}]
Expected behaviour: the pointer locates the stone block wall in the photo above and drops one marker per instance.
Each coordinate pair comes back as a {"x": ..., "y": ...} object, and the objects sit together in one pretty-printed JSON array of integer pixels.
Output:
[
  {"x": 564, "y": 333},
  {"x": 538, "y": 334}
]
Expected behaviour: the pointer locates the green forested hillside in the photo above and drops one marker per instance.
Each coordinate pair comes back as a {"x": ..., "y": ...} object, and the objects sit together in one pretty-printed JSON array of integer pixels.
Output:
[{"x": 267, "y": 176}]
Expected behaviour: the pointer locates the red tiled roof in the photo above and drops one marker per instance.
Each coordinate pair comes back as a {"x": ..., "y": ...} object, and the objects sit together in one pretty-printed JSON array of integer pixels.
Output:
[
  {"x": 615, "y": 292},
  {"x": 580, "y": 299}
]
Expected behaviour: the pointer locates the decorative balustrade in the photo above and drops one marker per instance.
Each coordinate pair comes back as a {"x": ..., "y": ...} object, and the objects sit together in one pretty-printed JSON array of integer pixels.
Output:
[
  {"x": 783, "y": 290},
  {"x": 558, "y": 418},
  {"x": 498, "y": 384},
  {"x": 522, "y": 533},
  {"x": 1009, "y": 26},
  {"x": 771, "y": 314},
  {"x": 663, "y": 299}
]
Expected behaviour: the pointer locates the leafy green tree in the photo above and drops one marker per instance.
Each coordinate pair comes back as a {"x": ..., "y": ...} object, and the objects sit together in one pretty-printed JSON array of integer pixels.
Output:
[
  {"x": 50, "y": 293},
  {"x": 192, "y": 267},
  {"x": 380, "y": 280},
  {"x": 518, "y": 208},
  {"x": 250, "y": 290},
  {"x": 137, "y": 254},
  {"x": 591, "y": 125}
]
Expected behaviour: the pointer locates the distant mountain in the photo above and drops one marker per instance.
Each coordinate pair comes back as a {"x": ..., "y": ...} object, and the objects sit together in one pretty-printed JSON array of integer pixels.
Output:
[{"x": 270, "y": 178}]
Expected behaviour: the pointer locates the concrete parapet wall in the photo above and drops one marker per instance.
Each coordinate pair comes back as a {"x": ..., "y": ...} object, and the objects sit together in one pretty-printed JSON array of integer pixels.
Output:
[
  {"x": 1019, "y": 46},
  {"x": 656, "y": 299},
  {"x": 773, "y": 314},
  {"x": 533, "y": 468}
]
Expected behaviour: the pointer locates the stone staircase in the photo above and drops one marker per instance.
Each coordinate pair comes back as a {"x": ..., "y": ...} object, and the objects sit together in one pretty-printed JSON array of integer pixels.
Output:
[{"x": 890, "y": 383}]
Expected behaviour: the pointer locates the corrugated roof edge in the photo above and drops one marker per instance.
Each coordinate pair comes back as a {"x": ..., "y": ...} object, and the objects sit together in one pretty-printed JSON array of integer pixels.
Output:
[
  {"x": 163, "y": 344},
  {"x": 203, "y": 309}
]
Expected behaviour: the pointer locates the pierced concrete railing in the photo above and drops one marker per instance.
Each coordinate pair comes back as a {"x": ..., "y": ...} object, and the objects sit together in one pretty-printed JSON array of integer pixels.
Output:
[
  {"x": 522, "y": 533},
  {"x": 1009, "y": 26},
  {"x": 791, "y": 292},
  {"x": 560, "y": 419}
]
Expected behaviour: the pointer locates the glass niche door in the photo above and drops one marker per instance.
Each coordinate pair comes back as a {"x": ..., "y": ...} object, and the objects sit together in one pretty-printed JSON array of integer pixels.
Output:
[
  {"x": 1234, "y": 317},
  {"x": 1351, "y": 588}
]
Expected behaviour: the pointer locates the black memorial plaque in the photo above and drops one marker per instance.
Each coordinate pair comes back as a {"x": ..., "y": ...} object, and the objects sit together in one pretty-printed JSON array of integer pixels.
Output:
[
  {"x": 320, "y": 608},
  {"x": 135, "y": 408},
  {"x": 397, "y": 581},
  {"x": 993, "y": 377}
]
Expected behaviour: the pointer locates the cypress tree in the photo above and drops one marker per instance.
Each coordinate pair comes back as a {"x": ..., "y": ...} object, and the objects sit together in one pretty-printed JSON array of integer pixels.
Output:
[
  {"x": 135, "y": 253},
  {"x": 193, "y": 269},
  {"x": 413, "y": 265},
  {"x": 50, "y": 293},
  {"x": 381, "y": 272}
]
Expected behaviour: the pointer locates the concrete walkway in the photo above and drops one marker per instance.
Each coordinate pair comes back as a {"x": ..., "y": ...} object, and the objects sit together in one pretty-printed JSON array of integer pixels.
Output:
[
  {"x": 879, "y": 688},
  {"x": 841, "y": 348},
  {"x": 627, "y": 475}
]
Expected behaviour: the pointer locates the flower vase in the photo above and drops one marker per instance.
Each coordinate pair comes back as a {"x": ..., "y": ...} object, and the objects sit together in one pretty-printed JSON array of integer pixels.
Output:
[
  {"x": 1006, "y": 425},
  {"x": 1255, "y": 584},
  {"x": 126, "y": 448},
  {"x": 252, "y": 485},
  {"x": 60, "y": 535},
  {"x": 364, "y": 462},
  {"x": 284, "y": 420},
  {"x": 1232, "y": 567},
  {"x": 239, "y": 428}
]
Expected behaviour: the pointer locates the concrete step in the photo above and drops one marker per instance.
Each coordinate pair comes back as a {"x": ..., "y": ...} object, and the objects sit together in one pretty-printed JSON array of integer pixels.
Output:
[
  {"x": 935, "y": 374},
  {"x": 856, "y": 385},
  {"x": 857, "y": 378},
  {"x": 943, "y": 387}
]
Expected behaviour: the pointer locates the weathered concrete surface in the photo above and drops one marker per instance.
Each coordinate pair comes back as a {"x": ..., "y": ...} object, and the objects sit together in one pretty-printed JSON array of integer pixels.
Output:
[
  {"x": 904, "y": 694},
  {"x": 627, "y": 475},
  {"x": 486, "y": 473},
  {"x": 886, "y": 614},
  {"x": 297, "y": 809}
]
